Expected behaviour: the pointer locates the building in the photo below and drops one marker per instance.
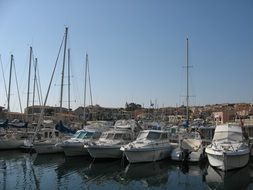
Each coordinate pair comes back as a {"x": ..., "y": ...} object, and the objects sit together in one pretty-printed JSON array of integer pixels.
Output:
[{"x": 225, "y": 116}]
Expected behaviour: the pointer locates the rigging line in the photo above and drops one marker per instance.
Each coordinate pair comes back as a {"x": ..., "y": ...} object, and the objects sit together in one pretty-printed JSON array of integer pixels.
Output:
[
  {"x": 5, "y": 87},
  {"x": 88, "y": 65},
  {"x": 14, "y": 67},
  {"x": 45, "y": 101}
]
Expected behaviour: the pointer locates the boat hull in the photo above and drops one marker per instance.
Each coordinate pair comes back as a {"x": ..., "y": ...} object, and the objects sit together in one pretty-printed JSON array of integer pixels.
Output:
[
  {"x": 227, "y": 160},
  {"x": 47, "y": 148},
  {"x": 196, "y": 156},
  {"x": 147, "y": 154},
  {"x": 75, "y": 150},
  {"x": 105, "y": 152},
  {"x": 7, "y": 144}
]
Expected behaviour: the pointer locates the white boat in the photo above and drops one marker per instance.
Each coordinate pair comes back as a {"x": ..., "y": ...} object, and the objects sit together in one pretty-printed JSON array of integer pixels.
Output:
[
  {"x": 75, "y": 145},
  {"x": 48, "y": 140},
  {"x": 229, "y": 149},
  {"x": 11, "y": 140},
  {"x": 108, "y": 145},
  {"x": 150, "y": 146},
  {"x": 190, "y": 148}
]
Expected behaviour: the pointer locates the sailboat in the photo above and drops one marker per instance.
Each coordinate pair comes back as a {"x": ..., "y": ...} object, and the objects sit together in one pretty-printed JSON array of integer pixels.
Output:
[
  {"x": 52, "y": 135},
  {"x": 10, "y": 139},
  {"x": 190, "y": 147}
]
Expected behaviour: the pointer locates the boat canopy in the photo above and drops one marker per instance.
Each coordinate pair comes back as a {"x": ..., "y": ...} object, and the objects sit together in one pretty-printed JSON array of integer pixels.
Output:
[{"x": 228, "y": 133}]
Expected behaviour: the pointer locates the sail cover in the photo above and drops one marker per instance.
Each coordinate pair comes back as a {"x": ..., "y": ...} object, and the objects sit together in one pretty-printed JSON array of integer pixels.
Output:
[{"x": 60, "y": 127}]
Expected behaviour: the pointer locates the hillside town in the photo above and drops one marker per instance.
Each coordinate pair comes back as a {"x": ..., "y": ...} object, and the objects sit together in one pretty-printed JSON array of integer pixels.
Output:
[{"x": 208, "y": 114}]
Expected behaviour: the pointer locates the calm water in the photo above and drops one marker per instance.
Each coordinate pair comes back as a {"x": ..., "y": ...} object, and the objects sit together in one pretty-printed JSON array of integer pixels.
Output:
[{"x": 24, "y": 171}]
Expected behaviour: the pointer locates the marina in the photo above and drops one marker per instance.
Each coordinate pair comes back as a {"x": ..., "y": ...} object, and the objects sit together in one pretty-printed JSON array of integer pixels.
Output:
[{"x": 102, "y": 95}]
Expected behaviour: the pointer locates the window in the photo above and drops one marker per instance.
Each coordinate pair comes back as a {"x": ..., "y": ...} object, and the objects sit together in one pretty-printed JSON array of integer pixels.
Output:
[
  {"x": 118, "y": 136},
  {"x": 153, "y": 136},
  {"x": 164, "y": 136},
  {"x": 110, "y": 136},
  {"x": 127, "y": 137}
]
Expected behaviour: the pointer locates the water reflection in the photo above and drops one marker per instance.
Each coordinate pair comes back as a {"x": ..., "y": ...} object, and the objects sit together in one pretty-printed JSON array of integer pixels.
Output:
[
  {"x": 235, "y": 179},
  {"x": 23, "y": 171},
  {"x": 48, "y": 160},
  {"x": 187, "y": 176},
  {"x": 149, "y": 174}
]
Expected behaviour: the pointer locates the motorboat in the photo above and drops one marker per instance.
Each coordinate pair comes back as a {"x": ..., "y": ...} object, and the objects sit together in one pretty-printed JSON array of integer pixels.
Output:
[
  {"x": 189, "y": 149},
  {"x": 229, "y": 149},
  {"x": 108, "y": 145},
  {"x": 150, "y": 146},
  {"x": 75, "y": 145},
  {"x": 110, "y": 142}
]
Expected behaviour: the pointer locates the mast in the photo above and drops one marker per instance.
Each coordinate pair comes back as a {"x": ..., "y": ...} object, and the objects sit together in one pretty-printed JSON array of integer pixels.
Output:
[
  {"x": 88, "y": 72},
  {"x": 34, "y": 82},
  {"x": 63, "y": 67},
  {"x": 68, "y": 79},
  {"x": 9, "y": 90},
  {"x": 29, "y": 76},
  {"x": 20, "y": 106},
  {"x": 85, "y": 81},
  {"x": 187, "y": 82},
  {"x": 3, "y": 78}
]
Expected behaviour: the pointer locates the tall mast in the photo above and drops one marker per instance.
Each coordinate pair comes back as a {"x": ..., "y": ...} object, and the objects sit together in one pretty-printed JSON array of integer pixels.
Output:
[
  {"x": 3, "y": 78},
  {"x": 69, "y": 79},
  {"x": 29, "y": 76},
  {"x": 63, "y": 67},
  {"x": 85, "y": 81},
  {"x": 34, "y": 82},
  {"x": 9, "y": 90},
  {"x": 187, "y": 83},
  {"x": 88, "y": 72}
]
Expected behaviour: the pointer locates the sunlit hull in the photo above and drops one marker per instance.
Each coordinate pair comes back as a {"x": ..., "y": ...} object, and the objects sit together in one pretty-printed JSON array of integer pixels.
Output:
[
  {"x": 227, "y": 160},
  {"x": 147, "y": 154},
  {"x": 75, "y": 149},
  {"x": 47, "y": 148},
  {"x": 105, "y": 151}
]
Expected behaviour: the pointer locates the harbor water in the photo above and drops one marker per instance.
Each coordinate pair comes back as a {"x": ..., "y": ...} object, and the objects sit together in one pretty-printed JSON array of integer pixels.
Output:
[{"x": 30, "y": 171}]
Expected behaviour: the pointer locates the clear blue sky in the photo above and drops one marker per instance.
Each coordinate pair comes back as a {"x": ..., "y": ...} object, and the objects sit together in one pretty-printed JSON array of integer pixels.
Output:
[{"x": 137, "y": 49}]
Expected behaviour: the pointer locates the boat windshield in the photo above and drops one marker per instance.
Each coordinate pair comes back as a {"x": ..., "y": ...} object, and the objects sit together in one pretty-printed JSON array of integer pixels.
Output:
[
  {"x": 77, "y": 134},
  {"x": 85, "y": 135},
  {"x": 153, "y": 135},
  {"x": 109, "y": 136},
  {"x": 142, "y": 135},
  {"x": 228, "y": 136},
  {"x": 118, "y": 136}
]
